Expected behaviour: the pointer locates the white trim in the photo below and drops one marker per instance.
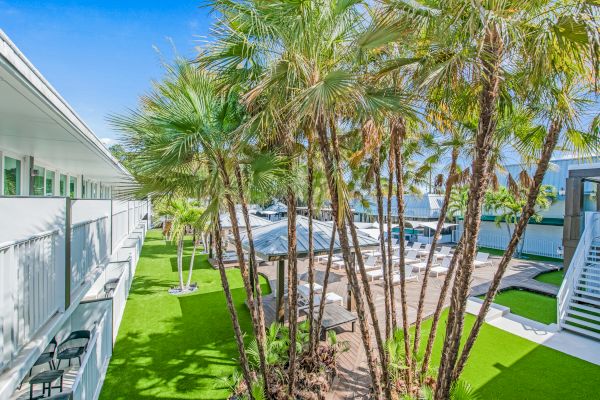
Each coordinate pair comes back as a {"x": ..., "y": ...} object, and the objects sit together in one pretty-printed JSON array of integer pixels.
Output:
[{"x": 584, "y": 166}]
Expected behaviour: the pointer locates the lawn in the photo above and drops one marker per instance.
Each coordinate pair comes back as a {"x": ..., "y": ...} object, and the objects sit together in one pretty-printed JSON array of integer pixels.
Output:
[
  {"x": 172, "y": 347},
  {"x": 505, "y": 366},
  {"x": 537, "y": 307},
  {"x": 554, "y": 278},
  {"x": 524, "y": 256}
]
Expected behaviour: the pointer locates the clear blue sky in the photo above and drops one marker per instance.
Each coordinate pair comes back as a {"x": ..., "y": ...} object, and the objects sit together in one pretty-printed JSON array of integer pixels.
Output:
[{"x": 101, "y": 55}]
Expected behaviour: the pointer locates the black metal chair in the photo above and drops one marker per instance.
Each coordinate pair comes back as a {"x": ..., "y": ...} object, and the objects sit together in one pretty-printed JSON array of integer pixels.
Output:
[
  {"x": 73, "y": 346},
  {"x": 47, "y": 356}
]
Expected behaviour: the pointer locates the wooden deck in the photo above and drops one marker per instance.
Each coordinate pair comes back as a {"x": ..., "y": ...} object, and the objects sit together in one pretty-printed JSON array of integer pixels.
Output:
[{"x": 353, "y": 380}]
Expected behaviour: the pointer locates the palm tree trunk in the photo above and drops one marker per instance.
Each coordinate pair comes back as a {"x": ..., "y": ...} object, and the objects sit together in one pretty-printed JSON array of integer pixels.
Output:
[
  {"x": 239, "y": 337},
  {"x": 312, "y": 340},
  {"x": 343, "y": 234},
  {"x": 292, "y": 289},
  {"x": 449, "y": 183},
  {"x": 528, "y": 211},
  {"x": 384, "y": 264},
  {"x": 364, "y": 277},
  {"x": 440, "y": 306},
  {"x": 488, "y": 119},
  {"x": 189, "y": 280},
  {"x": 259, "y": 310},
  {"x": 180, "y": 263},
  {"x": 394, "y": 319},
  {"x": 398, "y": 133},
  {"x": 325, "y": 284},
  {"x": 258, "y": 332}
]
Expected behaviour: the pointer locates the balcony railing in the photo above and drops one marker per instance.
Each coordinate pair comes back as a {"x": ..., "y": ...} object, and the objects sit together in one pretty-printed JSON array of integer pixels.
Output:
[
  {"x": 30, "y": 287},
  {"x": 90, "y": 247},
  {"x": 36, "y": 268}
]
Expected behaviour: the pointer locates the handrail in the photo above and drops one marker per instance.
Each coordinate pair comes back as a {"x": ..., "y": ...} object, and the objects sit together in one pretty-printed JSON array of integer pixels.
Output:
[
  {"x": 589, "y": 234},
  {"x": 36, "y": 236},
  {"x": 89, "y": 221}
]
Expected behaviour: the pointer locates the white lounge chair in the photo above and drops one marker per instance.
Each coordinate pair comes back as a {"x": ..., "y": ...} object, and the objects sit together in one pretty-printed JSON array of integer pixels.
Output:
[
  {"x": 412, "y": 257},
  {"x": 375, "y": 274},
  {"x": 443, "y": 268},
  {"x": 304, "y": 293},
  {"x": 422, "y": 265},
  {"x": 425, "y": 252},
  {"x": 416, "y": 246},
  {"x": 444, "y": 252},
  {"x": 371, "y": 263},
  {"x": 409, "y": 275},
  {"x": 482, "y": 260}
]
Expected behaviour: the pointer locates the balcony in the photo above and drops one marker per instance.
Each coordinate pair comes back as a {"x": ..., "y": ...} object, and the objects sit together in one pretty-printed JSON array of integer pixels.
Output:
[{"x": 54, "y": 253}]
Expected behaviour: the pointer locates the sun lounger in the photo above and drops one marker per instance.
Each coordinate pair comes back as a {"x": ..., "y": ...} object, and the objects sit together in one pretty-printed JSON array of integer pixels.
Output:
[
  {"x": 409, "y": 275},
  {"x": 424, "y": 252},
  {"x": 416, "y": 246},
  {"x": 482, "y": 260},
  {"x": 304, "y": 295},
  {"x": 422, "y": 265},
  {"x": 443, "y": 268},
  {"x": 444, "y": 252}
]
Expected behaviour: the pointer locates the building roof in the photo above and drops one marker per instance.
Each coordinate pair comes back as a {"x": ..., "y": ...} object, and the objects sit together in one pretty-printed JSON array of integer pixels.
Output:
[
  {"x": 271, "y": 241},
  {"x": 255, "y": 221},
  {"x": 37, "y": 121},
  {"x": 425, "y": 206},
  {"x": 277, "y": 207},
  {"x": 557, "y": 173}
]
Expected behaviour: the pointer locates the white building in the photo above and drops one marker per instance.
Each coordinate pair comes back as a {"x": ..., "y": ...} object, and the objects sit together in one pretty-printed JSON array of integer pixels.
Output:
[
  {"x": 68, "y": 250},
  {"x": 543, "y": 238}
]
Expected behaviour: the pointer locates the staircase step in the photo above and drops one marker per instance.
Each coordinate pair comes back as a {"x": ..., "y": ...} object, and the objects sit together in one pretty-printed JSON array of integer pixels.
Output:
[
  {"x": 586, "y": 281},
  {"x": 588, "y": 294},
  {"x": 584, "y": 307},
  {"x": 581, "y": 330},
  {"x": 590, "y": 272},
  {"x": 583, "y": 315},
  {"x": 584, "y": 323},
  {"x": 586, "y": 300}
]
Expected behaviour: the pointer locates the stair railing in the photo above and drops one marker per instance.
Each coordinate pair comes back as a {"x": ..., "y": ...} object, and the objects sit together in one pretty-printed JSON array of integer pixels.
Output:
[{"x": 590, "y": 232}]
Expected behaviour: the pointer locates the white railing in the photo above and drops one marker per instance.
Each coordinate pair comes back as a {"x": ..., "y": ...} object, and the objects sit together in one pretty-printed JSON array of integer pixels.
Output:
[
  {"x": 119, "y": 296},
  {"x": 591, "y": 231},
  {"x": 88, "y": 381},
  {"x": 119, "y": 227},
  {"x": 89, "y": 248},
  {"x": 31, "y": 288}
]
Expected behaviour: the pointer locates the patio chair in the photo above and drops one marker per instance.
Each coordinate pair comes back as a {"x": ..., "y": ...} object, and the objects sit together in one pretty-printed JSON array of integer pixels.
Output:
[
  {"x": 412, "y": 257},
  {"x": 443, "y": 268},
  {"x": 424, "y": 252},
  {"x": 443, "y": 253},
  {"x": 416, "y": 246},
  {"x": 74, "y": 346},
  {"x": 47, "y": 357},
  {"x": 422, "y": 265},
  {"x": 409, "y": 275},
  {"x": 482, "y": 260}
]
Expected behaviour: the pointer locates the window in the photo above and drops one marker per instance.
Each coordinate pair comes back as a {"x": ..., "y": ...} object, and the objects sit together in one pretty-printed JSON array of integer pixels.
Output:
[
  {"x": 72, "y": 186},
  {"x": 38, "y": 180},
  {"x": 50, "y": 183},
  {"x": 62, "y": 185},
  {"x": 12, "y": 177}
]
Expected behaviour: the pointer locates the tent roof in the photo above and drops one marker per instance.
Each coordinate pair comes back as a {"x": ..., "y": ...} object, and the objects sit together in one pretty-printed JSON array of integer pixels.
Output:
[
  {"x": 271, "y": 241},
  {"x": 255, "y": 221},
  {"x": 427, "y": 224}
]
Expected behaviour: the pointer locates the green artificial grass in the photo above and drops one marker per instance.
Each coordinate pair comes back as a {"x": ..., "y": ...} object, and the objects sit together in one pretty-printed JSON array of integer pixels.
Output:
[
  {"x": 554, "y": 278},
  {"x": 537, "y": 307},
  {"x": 524, "y": 256},
  {"x": 171, "y": 347},
  {"x": 505, "y": 366}
]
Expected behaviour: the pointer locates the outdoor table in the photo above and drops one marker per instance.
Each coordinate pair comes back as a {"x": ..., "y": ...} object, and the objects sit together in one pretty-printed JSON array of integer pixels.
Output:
[
  {"x": 46, "y": 378},
  {"x": 335, "y": 315}
]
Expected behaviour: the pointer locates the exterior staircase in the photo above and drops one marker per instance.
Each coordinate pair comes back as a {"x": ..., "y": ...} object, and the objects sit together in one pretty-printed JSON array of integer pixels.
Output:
[{"x": 579, "y": 295}]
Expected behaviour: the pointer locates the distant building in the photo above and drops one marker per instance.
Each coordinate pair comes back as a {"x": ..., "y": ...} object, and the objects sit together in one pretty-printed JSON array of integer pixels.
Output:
[{"x": 545, "y": 237}]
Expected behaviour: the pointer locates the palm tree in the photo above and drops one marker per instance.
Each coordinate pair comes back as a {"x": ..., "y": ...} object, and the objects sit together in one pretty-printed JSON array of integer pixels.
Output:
[{"x": 184, "y": 216}]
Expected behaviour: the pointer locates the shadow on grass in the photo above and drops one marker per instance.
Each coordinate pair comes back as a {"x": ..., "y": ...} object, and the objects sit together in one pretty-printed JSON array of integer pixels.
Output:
[
  {"x": 537, "y": 375},
  {"x": 187, "y": 358}
]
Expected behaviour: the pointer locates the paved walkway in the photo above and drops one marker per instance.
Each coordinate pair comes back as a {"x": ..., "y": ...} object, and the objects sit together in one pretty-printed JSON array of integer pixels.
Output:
[
  {"x": 545, "y": 335},
  {"x": 353, "y": 380}
]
